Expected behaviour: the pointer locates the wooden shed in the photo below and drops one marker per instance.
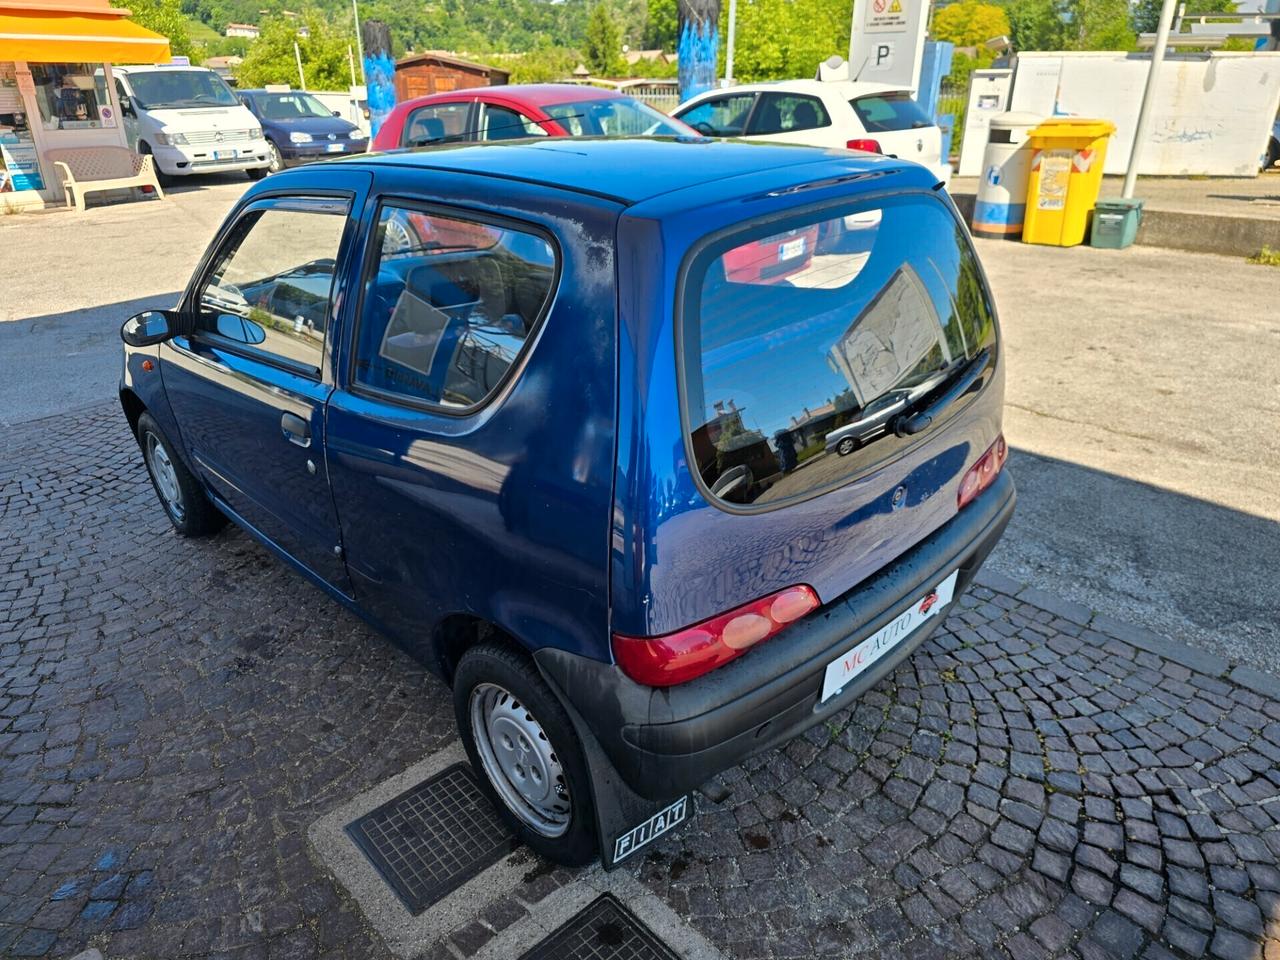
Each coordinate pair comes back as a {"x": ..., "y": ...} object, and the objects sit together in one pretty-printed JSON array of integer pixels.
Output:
[{"x": 435, "y": 71}]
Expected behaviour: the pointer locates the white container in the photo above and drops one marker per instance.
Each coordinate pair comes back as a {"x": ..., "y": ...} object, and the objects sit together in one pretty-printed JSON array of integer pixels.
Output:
[{"x": 1001, "y": 204}]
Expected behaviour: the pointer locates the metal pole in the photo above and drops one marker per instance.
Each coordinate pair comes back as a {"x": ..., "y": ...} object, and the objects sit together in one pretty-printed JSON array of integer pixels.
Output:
[
  {"x": 297, "y": 55},
  {"x": 728, "y": 58},
  {"x": 355, "y": 13},
  {"x": 853, "y": 29},
  {"x": 1148, "y": 98}
]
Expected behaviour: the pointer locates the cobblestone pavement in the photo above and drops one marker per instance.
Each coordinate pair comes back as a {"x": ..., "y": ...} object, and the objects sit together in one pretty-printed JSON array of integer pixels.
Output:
[{"x": 1035, "y": 782}]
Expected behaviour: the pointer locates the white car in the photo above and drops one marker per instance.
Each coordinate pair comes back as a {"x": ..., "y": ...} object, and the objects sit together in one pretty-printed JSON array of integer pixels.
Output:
[
  {"x": 190, "y": 121},
  {"x": 853, "y": 115}
]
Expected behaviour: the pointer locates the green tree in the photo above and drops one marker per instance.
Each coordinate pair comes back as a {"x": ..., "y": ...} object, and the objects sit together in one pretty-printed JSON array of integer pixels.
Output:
[
  {"x": 784, "y": 39},
  {"x": 324, "y": 53},
  {"x": 541, "y": 66},
  {"x": 602, "y": 45},
  {"x": 164, "y": 17},
  {"x": 1101, "y": 25},
  {"x": 661, "y": 26},
  {"x": 970, "y": 23},
  {"x": 1036, "y": 25}
]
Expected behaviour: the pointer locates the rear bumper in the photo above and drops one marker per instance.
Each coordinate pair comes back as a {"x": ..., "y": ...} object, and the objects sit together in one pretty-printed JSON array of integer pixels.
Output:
[{"x": 665, "y": 742}]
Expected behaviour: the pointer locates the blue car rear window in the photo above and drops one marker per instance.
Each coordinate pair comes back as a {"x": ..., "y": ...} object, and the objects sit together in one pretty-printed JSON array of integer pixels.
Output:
[{"x": 804, "y": 341}]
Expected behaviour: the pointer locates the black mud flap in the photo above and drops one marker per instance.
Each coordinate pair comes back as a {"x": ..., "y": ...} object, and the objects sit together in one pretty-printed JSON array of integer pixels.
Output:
[{"x": 625, "y": 822}]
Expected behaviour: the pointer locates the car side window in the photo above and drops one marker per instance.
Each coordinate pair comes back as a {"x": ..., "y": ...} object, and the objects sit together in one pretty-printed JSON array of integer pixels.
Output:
[
  {"x": 271, "y": 286},
  {"x": 721, "y": 116},
  {"x": 438, "y": 123},
  {"x": 786, "y": 112},
  {"x": 450, "y": 307},
  {"x": 502, "y": 123}
]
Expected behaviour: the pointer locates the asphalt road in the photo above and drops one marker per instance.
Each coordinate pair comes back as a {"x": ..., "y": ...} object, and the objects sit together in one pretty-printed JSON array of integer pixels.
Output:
[{"x": 1142, "y": 402}]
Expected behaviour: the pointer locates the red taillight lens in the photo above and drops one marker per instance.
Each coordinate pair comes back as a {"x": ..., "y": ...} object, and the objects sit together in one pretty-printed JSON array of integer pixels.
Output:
[
  {"x": 693, "y": 651},
  {"x": 867, "y": 146},
  {"x": 983, "y": 473}
]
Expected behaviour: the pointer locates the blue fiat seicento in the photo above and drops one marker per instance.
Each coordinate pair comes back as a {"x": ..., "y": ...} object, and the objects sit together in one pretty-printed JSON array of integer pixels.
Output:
[{"x": 556, "y": 415}]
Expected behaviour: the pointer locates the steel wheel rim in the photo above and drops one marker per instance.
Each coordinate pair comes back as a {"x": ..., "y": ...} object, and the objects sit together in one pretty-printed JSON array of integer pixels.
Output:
[
  {"x": 165, "y": 476},
  {"x": 519, "y": 760},
  {"x": 846, "y": 446},
  {"x": 277, "y": 161}
]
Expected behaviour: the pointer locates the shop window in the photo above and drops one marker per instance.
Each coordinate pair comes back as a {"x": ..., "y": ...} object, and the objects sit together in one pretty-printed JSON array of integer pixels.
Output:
[
  {"x": 19, "y": 164},
  {"x": 70, "y": 96}
]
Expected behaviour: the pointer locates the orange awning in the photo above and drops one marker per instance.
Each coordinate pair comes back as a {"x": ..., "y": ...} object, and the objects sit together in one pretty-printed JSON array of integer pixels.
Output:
[{"x": 52, "y": 37}]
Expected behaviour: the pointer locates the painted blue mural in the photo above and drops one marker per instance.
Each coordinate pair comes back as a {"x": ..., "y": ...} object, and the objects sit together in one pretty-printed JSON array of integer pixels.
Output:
[
  {"x": 380, "y": 82},
  {"x": 697, "y": 50}
]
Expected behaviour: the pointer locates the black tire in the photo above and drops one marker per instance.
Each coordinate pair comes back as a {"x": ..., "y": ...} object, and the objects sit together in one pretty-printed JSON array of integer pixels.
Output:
[
  {"x": 144, "y": 149},
  {"x": 190, "y": 511},
  {"x": 488, "y": 665},
  {"x": 257, "y": 173},
  {"x": 1273, "y": 153}
]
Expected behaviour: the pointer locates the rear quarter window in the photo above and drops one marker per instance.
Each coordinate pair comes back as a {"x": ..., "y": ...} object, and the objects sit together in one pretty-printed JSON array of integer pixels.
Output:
[
  {"x": 802, "y": 341},
  {"x": 890, "y": 111}
]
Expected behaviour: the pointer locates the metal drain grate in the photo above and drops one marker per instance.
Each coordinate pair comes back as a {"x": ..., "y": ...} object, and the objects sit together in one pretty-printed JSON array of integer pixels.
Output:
[
  {"x": 604, "y": 930},
  {"x": 433, "y": 838}
]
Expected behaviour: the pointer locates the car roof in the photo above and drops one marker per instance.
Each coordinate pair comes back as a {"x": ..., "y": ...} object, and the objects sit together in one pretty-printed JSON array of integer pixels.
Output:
[
  {"x": 841, "y": 88},
  {"x": 530, "y": 94},
  {"x": 158, "y": 68},
  {"x": 630, "y": 170}
]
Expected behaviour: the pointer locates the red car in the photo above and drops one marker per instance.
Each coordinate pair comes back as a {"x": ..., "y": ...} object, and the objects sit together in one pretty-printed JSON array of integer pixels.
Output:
[{"x": 530, "y": 110}]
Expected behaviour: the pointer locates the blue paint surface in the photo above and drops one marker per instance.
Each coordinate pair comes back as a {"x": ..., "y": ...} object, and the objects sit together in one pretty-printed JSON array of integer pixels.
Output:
[
  {"x": 97, "y": 910},
  {"x": 697, "y": 50},
  {"x": 379, "y": 78}
]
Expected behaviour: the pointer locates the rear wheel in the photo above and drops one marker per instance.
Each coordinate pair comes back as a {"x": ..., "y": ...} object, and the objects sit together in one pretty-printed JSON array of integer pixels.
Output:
[
  {"x": 1273, "y": 153},
  {"x": 190, "y": 511},
  {"x": 524, "y": 748}
]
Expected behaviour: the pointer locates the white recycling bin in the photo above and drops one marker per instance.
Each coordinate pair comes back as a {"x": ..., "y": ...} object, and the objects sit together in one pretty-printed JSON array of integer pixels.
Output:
[{"x": 1001, "y": 204}]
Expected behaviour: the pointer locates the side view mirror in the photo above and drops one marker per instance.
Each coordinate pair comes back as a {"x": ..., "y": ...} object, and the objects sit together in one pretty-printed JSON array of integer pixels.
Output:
[
  {"x": 240, "y": 329},
  {"x": 337, "y": 113},
  {"x": 149, "y": 328},
  {"x": 126, "y": 107}
]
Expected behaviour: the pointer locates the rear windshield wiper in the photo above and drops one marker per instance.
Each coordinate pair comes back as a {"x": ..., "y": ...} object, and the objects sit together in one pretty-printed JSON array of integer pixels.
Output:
[{"x": 960, "y": 383}]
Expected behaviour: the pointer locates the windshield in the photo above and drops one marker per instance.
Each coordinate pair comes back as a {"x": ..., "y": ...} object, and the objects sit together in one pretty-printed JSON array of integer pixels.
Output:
[
  {"x": 801, "y": 346},
  {"x": 615, "y": 117},
  {"x": 290, "y": 106},
  {"x": 180, "y": 88}
]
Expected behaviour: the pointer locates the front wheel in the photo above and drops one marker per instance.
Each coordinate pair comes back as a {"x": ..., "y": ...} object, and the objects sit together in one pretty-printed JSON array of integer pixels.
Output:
[
  {"x": 257, "y": 173},
  {"x": 1273, "y": 153},
  {"x": 190, "y": 511},
  {"x": 522, "y": 744},
  {"x": 846, "y": 446}
]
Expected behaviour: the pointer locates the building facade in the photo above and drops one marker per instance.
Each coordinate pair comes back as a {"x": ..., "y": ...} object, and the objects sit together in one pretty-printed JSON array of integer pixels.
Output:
[{"x": 56, "y": 89}]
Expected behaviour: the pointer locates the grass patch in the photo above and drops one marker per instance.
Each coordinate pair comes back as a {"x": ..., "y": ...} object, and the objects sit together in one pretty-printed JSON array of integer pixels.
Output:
[
  {"x": 1266, "y": 257},
  {"x": 201, "y": 32}
]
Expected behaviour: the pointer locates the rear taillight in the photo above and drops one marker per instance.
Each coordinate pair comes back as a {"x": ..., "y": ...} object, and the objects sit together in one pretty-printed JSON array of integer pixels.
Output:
[
  {"x": 693, "y": 651},
  {"x": 867, "y": 146},
  {"x": 983, "y": 473}
]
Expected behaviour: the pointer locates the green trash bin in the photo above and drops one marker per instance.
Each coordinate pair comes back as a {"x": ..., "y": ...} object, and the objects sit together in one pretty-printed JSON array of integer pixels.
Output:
[{"x": 1115, "y": 223}]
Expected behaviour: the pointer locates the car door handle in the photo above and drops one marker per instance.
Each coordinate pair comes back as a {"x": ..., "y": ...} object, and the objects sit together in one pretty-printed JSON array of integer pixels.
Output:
[{"x": 296, "y": 430}]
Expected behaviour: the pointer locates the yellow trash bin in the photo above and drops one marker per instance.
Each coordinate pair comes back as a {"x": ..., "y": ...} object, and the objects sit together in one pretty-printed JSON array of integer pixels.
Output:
[{"x": 1066, "y": 174}]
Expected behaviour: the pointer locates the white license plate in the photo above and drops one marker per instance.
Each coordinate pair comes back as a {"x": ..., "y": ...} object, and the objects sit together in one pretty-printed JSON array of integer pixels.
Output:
[
  {"x": 334, "y": 148},
  {"x": 224, "y": 154},
  {"x": 791, "y": 249},
  {"x": 858, "y": 658}
]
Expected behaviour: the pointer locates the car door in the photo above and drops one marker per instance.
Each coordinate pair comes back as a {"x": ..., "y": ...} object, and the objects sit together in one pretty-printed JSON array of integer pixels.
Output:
[
  {"x": 497, "y": 122},
  {"x": 460, "y": 452},
  {"x": 724, "y": 115},
  {"x": 249, "y": 383},
  {"x": 790, "y": 118},
  {"x": 129, "y": 116},
  {"x": 438, "y": 123}
]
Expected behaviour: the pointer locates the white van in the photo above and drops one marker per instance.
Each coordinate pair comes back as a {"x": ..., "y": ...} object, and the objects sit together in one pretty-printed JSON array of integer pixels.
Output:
[{"x": 190, "y": 121}]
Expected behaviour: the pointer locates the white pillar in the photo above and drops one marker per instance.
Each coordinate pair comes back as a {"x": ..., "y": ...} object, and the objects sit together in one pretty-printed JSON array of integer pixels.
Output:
[{"x": 728, "y": 57}]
